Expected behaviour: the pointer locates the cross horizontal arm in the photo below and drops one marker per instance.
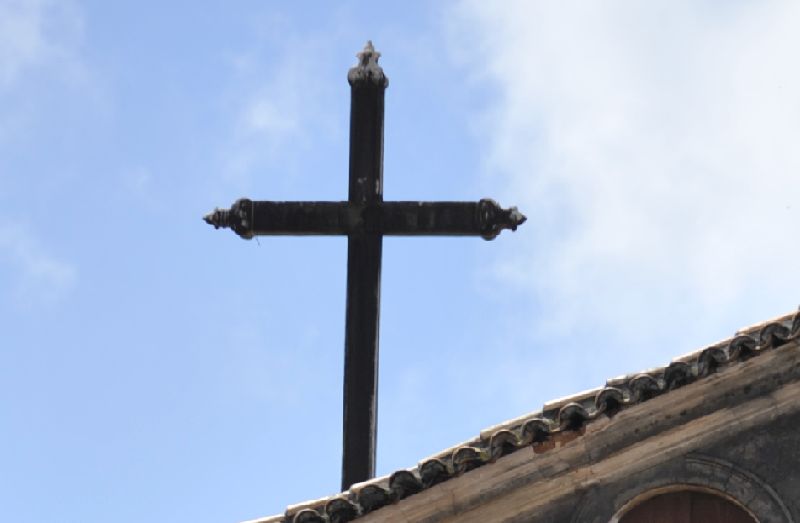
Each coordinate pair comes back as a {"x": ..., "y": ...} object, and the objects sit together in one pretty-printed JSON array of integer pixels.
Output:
[
  {"x": 248, "y": 218},
  {"x": 484, "y": 218}
]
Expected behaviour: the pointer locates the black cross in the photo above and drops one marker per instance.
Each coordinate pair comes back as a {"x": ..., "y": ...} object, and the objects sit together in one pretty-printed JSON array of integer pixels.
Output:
[{"x": 365, "y": 218}]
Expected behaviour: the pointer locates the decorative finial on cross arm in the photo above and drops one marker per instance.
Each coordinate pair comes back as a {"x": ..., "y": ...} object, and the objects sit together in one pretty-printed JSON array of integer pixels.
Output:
[
  {"x": 236, "y": 218},
  {"x": 368, "y": 70},
  {"x": 494, "y": 218}
]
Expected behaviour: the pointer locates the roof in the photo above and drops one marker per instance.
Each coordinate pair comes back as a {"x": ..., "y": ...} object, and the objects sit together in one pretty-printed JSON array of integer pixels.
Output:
[{"x": 558, "y": 421}]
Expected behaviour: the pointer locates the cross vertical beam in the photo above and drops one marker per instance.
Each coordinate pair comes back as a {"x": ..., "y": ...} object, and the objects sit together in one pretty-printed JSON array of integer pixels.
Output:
[{"x": 364, "y": 246}]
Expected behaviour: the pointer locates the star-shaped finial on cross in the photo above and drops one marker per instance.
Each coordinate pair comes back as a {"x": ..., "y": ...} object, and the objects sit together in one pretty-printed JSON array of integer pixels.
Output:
[
  {"x": 368, "y": 56},
  {"x": 368, "y": 69}
]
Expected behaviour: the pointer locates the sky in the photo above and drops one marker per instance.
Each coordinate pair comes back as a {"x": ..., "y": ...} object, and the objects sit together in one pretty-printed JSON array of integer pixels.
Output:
[{"x": 154, "y": 369}]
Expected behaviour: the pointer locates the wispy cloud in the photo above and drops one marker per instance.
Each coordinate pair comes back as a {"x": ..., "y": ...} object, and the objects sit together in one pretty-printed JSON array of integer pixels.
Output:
[
  {"x": 35, "y": 33},
  {"x": 654, "y": 148},
  {"x": 33, "y": 277},
  {"x": 40, "y": 59},
  {"x": 277, "y": 101},
  {"x": 269, "y": 117}
]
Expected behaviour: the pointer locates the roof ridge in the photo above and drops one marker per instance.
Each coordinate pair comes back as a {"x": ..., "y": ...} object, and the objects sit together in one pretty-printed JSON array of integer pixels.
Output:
[{"x": 558, "y": 419}]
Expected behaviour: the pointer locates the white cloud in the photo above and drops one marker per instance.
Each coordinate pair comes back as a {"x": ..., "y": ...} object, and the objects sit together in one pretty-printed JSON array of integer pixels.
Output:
[
  {"x": 21, "y": 39},
  {"x": 653, "y": 147},
  {"x": 32, "y": 276},
  {"x": 40, "y": 55},
  {"x": 278, "y": 103},
  {"x": 264, "y": 115},
  {"x": 34, "y": 33}
]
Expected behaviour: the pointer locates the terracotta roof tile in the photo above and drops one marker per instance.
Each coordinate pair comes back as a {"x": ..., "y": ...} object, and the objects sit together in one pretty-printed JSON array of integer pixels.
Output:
[{"x": 559, "y": 419}]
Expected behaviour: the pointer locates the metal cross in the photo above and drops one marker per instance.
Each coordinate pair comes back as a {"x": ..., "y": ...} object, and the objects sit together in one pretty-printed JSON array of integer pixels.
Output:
[{"x": 365, "y": 218}]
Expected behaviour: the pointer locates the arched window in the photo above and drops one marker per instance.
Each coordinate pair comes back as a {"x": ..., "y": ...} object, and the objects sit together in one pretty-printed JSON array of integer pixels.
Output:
[{"x": 687, "y": 506}]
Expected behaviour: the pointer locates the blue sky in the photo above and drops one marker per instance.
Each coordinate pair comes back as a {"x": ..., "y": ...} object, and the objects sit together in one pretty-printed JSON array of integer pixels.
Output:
[{"x": 154, "y": 369}]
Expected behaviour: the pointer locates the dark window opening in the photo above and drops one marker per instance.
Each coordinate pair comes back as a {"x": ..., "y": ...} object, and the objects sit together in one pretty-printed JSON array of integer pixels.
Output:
[{"x": 687, "y": 506}]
